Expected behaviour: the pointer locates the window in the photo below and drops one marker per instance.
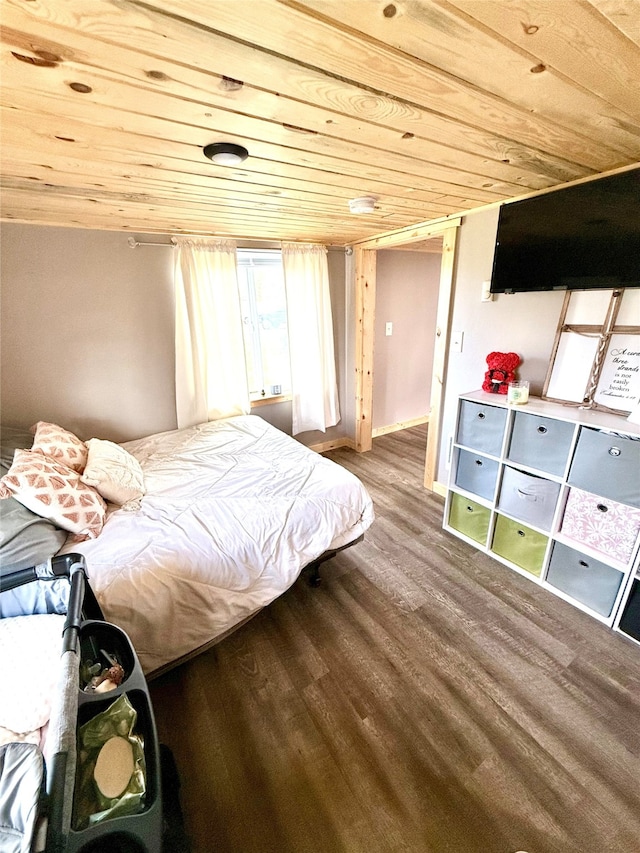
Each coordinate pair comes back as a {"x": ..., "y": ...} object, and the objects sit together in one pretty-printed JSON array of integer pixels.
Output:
[{"x": 264, "y": 318}]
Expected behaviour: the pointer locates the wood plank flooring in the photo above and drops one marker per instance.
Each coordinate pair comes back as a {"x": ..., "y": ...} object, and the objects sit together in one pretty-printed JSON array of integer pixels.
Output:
[{"x": 424, "y": 698}]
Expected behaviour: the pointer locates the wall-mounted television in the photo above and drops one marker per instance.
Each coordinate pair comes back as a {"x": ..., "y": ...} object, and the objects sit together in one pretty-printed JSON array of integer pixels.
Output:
[{"x": 580, "y": 237}]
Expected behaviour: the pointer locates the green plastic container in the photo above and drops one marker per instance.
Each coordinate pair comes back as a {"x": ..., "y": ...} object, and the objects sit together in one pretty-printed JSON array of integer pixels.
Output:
[
  {"x": 469, "y": 518},
  {"x": 519, "y": 544}
]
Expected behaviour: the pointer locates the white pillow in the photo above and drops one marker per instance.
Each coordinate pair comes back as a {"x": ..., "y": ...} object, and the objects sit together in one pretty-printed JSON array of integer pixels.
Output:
[
  {"x": 114, "y": 473},
  {"x": 30, "y": 649}
]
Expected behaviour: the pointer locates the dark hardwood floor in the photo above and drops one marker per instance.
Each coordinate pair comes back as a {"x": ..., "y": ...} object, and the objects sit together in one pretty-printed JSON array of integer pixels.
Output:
[{"x": 424, "y": 698}]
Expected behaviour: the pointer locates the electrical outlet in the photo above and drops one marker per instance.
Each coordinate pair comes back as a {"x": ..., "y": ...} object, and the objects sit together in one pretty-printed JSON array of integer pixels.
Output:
[{"x": 388, "y": 329}]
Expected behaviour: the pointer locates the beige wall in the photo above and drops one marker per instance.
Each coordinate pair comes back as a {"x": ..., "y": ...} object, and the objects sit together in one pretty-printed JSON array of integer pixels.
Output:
[
  {"x": 407, "y": 296},
  {"x": 522, "y": 322},
  {"x": 87, "y": 334}
]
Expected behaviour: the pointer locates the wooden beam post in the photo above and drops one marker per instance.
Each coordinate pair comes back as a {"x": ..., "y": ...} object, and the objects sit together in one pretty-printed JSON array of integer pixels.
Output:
[{"x": 365, "y": 275}]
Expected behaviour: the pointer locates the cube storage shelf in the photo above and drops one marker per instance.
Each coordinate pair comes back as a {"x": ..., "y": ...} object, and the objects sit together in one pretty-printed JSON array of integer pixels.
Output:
[{"x": 553, "y": 492}]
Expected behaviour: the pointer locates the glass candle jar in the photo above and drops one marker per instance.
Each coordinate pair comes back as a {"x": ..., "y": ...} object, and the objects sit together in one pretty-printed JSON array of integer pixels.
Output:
[{"x": 518, "y": 392}]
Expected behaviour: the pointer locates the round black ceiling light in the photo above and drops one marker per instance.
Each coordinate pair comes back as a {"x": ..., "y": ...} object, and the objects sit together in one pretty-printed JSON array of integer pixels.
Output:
[{"x": 225, "y": 153}]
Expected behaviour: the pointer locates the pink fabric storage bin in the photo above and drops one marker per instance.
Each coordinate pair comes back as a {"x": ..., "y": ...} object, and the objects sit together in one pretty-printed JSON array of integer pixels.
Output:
[{"x": 602, "y": 524}]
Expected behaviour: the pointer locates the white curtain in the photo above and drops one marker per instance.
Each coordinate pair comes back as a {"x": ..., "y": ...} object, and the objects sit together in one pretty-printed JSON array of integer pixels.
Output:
[
  {"x": 211, "y": 377},
  {"x": 313, "y": 369}
]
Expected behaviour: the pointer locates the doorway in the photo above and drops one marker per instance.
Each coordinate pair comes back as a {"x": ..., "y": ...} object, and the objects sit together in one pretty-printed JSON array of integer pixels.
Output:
[{"x": 365, "y": 259}]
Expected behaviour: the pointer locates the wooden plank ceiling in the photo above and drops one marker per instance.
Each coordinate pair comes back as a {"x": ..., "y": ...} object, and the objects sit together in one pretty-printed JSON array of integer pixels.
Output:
[{"x": 433, "y": 107}]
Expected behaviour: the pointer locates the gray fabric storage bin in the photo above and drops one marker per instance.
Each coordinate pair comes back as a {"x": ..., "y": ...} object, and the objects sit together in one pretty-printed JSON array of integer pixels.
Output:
[
  {"x": 542, "y": 443},
  {"x": 476, "y": 474},
  {"x": 607, "y": 465},
  {"x": 481, "y": 427},
  {"x": 587, "y": 580},
  {"x": 528, "y": 498}
]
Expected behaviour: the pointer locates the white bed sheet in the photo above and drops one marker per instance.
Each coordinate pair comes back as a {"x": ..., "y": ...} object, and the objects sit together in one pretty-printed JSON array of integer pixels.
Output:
[{"x": 234, "y": 509}]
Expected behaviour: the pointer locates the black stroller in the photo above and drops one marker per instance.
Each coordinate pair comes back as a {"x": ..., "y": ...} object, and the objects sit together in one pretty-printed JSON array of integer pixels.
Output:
[{"x": 58, "y": 806}]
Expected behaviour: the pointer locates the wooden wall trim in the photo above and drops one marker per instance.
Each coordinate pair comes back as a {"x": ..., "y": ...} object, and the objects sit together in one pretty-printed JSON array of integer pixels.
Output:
[
  {"x": 365, "y": 275},
  {"x": 385, "y": 430},
  {"x": 405, "y": 236},
  {"x": 441, "y": 347}
]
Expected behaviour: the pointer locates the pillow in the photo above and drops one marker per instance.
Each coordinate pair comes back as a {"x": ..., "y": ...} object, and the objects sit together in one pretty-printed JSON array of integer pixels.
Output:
[
  {"x": 26, "y": 539},
  {"x": 114, "y": 473},
  {"x": 30, "y": 649},
  {"x": 54, "y": 491},
  {"x": 59, "y": 444}
]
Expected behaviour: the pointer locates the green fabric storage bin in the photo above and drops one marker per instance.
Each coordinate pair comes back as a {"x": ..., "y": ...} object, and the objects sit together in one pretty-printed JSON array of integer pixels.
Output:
[
  {"x": 469, "y": 518},
  {"x": 519, "y": 544}
]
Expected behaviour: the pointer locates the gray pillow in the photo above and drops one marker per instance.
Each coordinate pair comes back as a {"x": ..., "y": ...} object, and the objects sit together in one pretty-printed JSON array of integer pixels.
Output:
[{"x": 26, "y": 539}]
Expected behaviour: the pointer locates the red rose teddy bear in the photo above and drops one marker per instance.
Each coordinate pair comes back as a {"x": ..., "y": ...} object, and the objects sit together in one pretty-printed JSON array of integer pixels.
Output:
[{"x": 502, "y": 367}]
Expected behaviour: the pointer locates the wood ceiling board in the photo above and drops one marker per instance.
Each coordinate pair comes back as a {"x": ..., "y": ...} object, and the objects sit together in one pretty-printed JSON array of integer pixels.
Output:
[
  {"x": 583, "y": 47},
  {"x": 287, "y": 29},
  {"x": 183, "y": 184},
  {"x": 90, "y": 210},
  {"x": 55, "y": 134},
  {"x": 510, "y": 169},
  {"x": 289, "y": 107},
  {"x": 436, "y": 120},
  {"x": 623, "y": 16},
  {"x": 499, "y": 46}
]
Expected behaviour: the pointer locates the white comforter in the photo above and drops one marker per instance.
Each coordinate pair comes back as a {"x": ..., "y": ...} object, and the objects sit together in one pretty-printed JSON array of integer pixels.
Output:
[{"x": 234, "y": 509}]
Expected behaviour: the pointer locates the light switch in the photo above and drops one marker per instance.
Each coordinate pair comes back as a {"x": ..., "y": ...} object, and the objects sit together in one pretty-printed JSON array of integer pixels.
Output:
[
  {"x": 388, "y": 329},
  {"x": 456, "y": 341}
]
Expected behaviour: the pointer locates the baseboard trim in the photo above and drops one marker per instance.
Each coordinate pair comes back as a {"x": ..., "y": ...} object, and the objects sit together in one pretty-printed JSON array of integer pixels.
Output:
[
  {"x": 400, "y": 425},
  {"x": 333, "y": 445},
  {"x": 439, "y": 489}
]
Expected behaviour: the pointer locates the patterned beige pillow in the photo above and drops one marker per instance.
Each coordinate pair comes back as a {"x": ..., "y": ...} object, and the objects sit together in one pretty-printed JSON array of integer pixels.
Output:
[
  {"x": 55, "y": 492},
  {"x": 59, "y": 444},
  {"x": 115, "y": 473}
]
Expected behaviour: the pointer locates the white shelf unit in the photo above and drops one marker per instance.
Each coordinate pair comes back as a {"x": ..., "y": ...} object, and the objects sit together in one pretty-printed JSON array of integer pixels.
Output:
[{"x": 553, "y": 492}]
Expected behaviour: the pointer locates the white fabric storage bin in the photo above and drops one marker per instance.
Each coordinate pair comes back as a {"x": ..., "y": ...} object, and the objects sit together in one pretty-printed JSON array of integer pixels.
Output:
[
  {"x": 542, "y": 443},
  {"x": 587, "y": 580},
  {"x": 607, "y": 464},
  {"x": 529, "y": 498},
  {"x": 604, "y": 525},
  {"x": 477, "y": 474},
  {"x": 481, "y": 426}
]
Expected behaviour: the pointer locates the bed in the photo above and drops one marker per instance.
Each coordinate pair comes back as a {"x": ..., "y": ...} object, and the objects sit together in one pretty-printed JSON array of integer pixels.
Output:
[{"x": 233, "y": 510}]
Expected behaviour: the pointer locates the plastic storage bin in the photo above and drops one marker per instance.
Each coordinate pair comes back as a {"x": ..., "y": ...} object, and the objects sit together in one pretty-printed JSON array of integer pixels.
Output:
[
  {"x": 541, "y": 443},
  {"x": 584, "y": 579},
  {"x": 481, "y": 427},
  {"x": 477, "y": 474},
  {"x": 604, "y": 525},
  {"x": 607, "y": 464},
  {"x": 519, "y": 544},
  {"x": 527, "y": 497},
  {"x": 469, "y": 518}
]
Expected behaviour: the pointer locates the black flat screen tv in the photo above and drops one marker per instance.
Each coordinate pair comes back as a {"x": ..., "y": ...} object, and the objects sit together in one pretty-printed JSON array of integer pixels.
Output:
[{"x": 581, "y": 237}]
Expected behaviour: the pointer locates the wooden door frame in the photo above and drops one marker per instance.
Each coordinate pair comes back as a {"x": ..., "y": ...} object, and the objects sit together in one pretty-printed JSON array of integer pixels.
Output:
[{"x": 365, "y": 257}]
